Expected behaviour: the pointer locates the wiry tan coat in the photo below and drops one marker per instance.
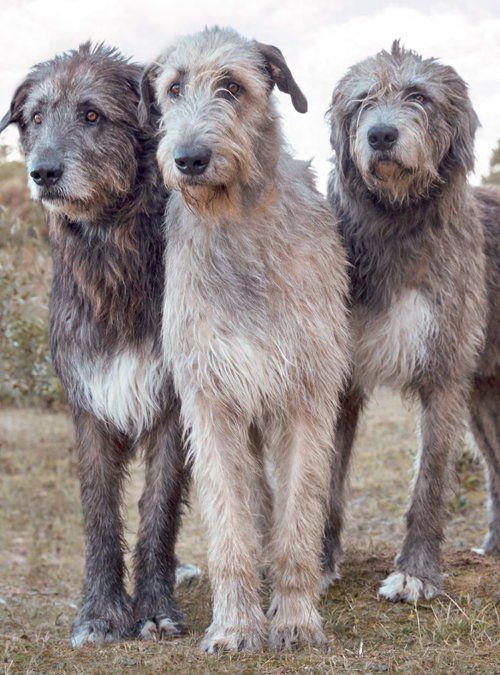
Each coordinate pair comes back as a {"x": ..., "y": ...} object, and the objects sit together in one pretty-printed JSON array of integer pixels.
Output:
[{"x": 255, "y": 333}]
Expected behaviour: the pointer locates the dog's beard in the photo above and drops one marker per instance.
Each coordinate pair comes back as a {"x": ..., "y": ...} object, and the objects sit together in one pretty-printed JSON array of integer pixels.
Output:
[
  {"x": 81, "y": 208},
  {"x": 199, "y": 195},
  {"x": 212, "y": 201},
  {"x": 388, "y": 169},
  {"x": 394, "y": 183}
]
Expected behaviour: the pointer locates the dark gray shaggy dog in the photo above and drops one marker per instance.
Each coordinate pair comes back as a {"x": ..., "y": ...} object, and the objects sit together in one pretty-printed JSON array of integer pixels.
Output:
[
  {"x": 94, "y": 170},
  {"x": 424, "y": 248}
]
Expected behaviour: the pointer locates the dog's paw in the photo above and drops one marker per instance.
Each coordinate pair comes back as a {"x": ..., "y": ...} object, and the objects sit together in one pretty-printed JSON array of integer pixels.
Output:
[
  {"x": 294, "y": 636},
  {"x": 402, "y": 587},
  {"x": 97, "y": 632},
  {"x": 110, "y": 621},
  {"x": 186, "y": 574},
  {"x": 158, "y": 627},
  {"x": 295, "y": 622},
  {"x": 491, "y": 545},
  {"x": 232, "y": 639}
]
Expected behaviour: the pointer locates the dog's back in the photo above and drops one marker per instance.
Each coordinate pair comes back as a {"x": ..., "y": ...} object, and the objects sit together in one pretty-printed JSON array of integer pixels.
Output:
[{"x": 488, "y": 199}]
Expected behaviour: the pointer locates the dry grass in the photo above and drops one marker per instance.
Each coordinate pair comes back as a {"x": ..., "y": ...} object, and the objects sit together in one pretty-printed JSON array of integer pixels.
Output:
[{"x": 41, "y": 558}]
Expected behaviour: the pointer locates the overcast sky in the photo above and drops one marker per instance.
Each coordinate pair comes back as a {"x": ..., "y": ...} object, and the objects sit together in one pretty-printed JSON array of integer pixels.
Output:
[{"x": 320, "y": 40}]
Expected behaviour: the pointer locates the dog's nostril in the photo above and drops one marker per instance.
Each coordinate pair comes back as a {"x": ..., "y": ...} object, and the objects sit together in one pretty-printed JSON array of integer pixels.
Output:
[
  {"x": 192, "y": 160},
  {"x": 382, "y": 136},
  {"x": 46, "y": 175}
]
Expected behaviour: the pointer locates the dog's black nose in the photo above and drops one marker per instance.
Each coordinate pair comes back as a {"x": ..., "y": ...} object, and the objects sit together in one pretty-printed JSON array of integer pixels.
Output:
[
  {"x": 192, "y": 159},
  {"x": 382, "y": 136},
  {"x": 47, "y": 174}
]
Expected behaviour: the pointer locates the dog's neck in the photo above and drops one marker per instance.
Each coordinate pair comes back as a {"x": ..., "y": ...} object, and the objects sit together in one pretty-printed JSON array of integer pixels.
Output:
[
  {"x": 111, "y": 266},
  {"x": 389, "y": 248},
  {"x": 369, "y": 216}
]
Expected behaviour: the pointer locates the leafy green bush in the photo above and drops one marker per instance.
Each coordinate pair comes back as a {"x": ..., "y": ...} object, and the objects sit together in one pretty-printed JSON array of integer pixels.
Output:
[{"x": 26, "y": 373}]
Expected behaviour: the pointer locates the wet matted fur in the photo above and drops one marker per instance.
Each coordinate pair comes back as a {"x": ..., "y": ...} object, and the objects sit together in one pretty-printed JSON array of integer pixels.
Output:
[
  {"x": 77, "y": 115},
  {"x": 424, "y": 248},
  {"x": 254, "y": 328}
]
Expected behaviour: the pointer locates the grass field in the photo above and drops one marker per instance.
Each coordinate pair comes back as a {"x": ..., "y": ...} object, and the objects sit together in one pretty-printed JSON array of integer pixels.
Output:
[{"x": 41, "y": 563}]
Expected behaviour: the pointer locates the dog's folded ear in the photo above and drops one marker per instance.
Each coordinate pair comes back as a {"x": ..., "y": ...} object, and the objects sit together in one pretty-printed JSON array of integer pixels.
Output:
[
  {"x": 464, "y": 121},
  {"x": 148, "y": 111},
  {"x": 14, "y": 114},
  {"x": 6, "y": 120},
  {"x": 280, "y": 74}
]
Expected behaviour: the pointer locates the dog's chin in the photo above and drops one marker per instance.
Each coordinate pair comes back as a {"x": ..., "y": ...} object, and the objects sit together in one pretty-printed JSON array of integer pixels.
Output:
[
  {"x": 393, "y": 183},
  {"x": 388, "y": 169},
  {"x": 201, "y": 188},
  {"x": 75, "y": 209},
  {"x": 209, "y": 198}
]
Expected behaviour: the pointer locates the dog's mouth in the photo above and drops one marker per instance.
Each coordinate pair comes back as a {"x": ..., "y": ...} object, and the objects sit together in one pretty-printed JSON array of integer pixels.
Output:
[
  {"x": 385, "y": 168},
  {"x": 62, "y": 204},
  {"x": 192, "y": 181},
  {"x": 202, "y": 185},
  {"x": 51, "y": 194},
  {"x": 57, "y": 197}
]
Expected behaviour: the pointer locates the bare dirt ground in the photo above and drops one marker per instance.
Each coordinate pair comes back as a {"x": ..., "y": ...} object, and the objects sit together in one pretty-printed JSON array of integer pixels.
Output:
[{"x": 41, "y": 564}]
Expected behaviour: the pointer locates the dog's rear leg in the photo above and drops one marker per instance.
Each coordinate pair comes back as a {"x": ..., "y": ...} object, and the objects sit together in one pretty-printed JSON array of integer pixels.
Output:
[
  {"x": 350, "y": 408},
  {"x": 302, "y": 470},
  {"x": 224, "y": 473},
  {"x": 155, "y": 611},
  {"x": 485, "y": 424},
  {"x": 418, "y": 568},
  {"x": 105, "y": 614}
]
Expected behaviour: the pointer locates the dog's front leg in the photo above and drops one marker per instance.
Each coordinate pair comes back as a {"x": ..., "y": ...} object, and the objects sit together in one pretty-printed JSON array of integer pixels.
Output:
[
  {"x": 302, "y": 469},
  {"x": 156, "y": 613},
  {"x": 223, "y": 472},
  {"x": 418, "y": 568},
  {"x": 105, "y": 614}
]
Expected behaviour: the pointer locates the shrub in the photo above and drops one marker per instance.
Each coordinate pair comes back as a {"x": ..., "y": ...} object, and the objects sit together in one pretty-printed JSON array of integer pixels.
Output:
[{"x": 26, "y": 373}]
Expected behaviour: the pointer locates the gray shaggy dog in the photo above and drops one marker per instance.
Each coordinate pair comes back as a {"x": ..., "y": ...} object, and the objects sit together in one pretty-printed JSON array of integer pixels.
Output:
[
  {"x": 254, "y": 328},
  {"x": 94, "y": 169},
  {"x": 425, "y": 298}
]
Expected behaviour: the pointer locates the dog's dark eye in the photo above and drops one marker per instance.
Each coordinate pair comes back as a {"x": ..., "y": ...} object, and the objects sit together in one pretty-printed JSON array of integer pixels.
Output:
[
  {"x": 175, "y": 90},
  {"x": 233, "y": 88},
  {"x": 91, "y": 116},
  {"x": 418, "y": 98},
  {"x": 37, "y": 118}
]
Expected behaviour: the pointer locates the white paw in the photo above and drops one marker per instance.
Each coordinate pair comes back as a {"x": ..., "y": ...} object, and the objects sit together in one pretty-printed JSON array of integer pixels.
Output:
[
  {"x": 491, "y": 546},
  {"x": 81, "y": 637},
  {"x": 293, "y": 636},
  {"x": 404, "y": 587},
  {"x": 185, "y": 574},
  {"x": 149, "y": 631},
  {"x": 295, "y": 622},
  {"x": 232, "y": 639},
  {"x": 160, "y": 627},
  {"x": 97, "y": 632}
]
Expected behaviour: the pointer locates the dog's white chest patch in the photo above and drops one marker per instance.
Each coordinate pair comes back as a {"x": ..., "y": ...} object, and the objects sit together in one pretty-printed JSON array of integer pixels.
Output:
[
  {"x": 125, "y": 390},
  {"x": 391, "y": 345}
]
